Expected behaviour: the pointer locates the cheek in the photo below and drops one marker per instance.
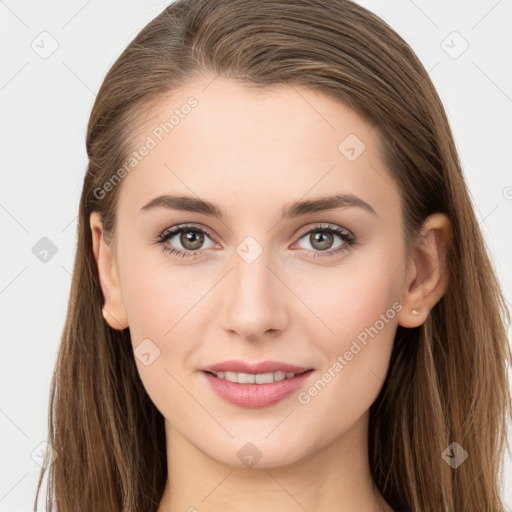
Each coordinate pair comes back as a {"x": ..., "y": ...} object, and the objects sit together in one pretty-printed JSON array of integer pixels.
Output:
[
  {"x": 353, "y": 296},
  {"x": 156, "y": 293},
  {"x": 169, "y": 305},
  {"x": 159, "y": 302},
  {"x": 357, "y": 306}
]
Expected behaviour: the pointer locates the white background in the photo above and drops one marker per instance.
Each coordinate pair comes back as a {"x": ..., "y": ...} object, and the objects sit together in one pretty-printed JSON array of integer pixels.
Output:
[{"x": 45, "y": 105}]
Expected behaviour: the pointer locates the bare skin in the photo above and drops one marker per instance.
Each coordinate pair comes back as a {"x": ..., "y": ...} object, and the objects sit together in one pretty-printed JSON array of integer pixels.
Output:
[{"x": 253, "y": 153}]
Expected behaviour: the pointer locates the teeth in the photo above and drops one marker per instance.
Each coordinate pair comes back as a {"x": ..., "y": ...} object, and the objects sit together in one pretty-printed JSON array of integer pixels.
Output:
[{"x": 259, "y": 378}]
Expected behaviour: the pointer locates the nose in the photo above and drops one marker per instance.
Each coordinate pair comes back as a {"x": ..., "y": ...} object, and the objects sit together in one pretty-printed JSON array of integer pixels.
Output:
[{"x": 255, "y": 299}]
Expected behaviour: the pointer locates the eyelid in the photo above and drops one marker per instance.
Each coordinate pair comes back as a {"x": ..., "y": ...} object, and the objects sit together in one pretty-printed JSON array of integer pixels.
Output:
[
  {"x": 182, "y": 227},
  {"x": 320, "y": 226}
]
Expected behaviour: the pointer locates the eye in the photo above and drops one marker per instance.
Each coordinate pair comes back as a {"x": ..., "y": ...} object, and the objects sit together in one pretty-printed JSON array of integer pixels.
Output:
[
  {"x": 322, "y": 238},
  {"x": 190, "y": 238}
]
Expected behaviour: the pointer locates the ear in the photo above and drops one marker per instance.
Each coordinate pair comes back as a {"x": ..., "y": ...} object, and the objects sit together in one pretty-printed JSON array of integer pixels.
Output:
[
  {"x": 427, "y": 271},
  {"x": 115, "y": 313}
]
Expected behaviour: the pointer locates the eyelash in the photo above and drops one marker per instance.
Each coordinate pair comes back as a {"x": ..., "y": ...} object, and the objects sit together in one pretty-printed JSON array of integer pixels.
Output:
[{"x": 348, "y": 239}]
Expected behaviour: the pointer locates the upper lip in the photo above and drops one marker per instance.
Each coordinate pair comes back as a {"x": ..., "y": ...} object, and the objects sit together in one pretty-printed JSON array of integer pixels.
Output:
[{"x": 255, "y": 368}]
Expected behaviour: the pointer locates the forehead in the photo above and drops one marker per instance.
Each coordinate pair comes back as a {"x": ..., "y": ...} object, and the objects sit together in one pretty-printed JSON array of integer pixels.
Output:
[{"x": 268, "y": 146}]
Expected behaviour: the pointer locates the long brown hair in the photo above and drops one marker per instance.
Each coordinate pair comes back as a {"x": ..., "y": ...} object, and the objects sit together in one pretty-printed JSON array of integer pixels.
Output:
[{"x": 447, "y": 380}]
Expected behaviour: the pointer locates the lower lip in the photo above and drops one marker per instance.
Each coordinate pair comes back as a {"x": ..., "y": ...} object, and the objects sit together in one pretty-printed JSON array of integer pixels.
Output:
[{"x": 255, "y": 396}]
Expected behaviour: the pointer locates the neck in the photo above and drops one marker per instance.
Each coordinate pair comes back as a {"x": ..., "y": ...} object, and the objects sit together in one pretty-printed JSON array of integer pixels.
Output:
[{"x": 335, "y": 477}]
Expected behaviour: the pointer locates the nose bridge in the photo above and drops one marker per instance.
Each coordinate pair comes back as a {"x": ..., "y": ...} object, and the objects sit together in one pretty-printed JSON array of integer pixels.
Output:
[
  {"x": 252, "y": 278},
  {"x": 254, "y": 303}
]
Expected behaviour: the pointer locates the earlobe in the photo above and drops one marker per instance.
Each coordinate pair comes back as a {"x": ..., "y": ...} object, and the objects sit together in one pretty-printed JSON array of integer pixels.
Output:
[
  {"x": 113, "y": 309},
  {"x": 427, "y": 272}
]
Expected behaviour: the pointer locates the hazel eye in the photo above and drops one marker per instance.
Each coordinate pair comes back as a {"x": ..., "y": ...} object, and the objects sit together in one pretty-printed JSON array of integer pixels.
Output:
[
  {"x": 190, "y": 238},
  {"x": 322, "y": 240}
]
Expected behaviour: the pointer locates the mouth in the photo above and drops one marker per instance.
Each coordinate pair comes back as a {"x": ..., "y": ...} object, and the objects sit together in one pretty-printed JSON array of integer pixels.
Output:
[{"x": 256, "y": 390}]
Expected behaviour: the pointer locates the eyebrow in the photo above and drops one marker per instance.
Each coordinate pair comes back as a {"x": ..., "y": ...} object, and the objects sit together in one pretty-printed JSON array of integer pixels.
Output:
[{"x": 196, "y": 205}]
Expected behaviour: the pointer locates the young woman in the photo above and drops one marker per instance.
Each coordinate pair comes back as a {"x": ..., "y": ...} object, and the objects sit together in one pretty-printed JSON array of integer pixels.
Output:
[{"x": 281, "y": 298}]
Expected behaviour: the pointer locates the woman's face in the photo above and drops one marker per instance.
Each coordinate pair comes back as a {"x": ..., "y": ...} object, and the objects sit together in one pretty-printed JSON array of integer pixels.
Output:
[{"x": 266, "y": 280}]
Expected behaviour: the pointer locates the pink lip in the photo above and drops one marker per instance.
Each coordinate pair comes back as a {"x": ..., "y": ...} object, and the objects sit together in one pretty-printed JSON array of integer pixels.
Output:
[
  {"x": 262, "y": 367},
  {"x": 255, "y": 396}
]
